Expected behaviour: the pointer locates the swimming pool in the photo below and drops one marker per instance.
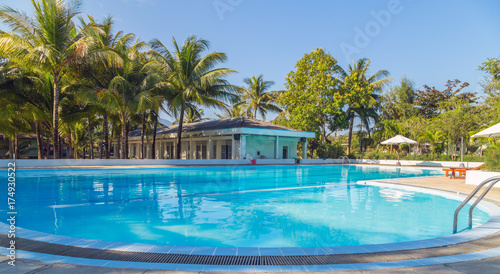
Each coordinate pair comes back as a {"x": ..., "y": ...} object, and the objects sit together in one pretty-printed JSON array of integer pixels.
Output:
[{"x": 263, "y": 206}]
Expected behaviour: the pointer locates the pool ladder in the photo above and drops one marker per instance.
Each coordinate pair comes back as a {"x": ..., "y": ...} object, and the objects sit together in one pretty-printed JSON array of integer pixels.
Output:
[
  {"x": 493, "y": 181},
  {"x": 345, "y": 159}
]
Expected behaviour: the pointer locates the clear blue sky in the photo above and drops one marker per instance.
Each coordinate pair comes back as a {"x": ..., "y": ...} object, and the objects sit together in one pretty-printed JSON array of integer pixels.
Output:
[{"x": 429, "y": 41}]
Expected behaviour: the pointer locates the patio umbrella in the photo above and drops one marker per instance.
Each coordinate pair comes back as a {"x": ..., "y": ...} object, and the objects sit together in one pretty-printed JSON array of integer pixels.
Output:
[
  {"x": 493, "y": 131},
  {"x": 397, "y": 140}
]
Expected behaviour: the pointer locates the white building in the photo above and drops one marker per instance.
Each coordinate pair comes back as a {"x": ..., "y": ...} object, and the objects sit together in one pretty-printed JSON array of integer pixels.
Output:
[{"x": 235, "y": 138}]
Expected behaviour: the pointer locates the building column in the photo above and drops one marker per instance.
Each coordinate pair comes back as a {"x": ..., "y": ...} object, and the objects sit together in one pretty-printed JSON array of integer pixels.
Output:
[
  {"x": 174, "y": 149},
  {"x": 210, "y": 148},
  {"x": 243, "y": 146},
  {"x": 161, "y": 149},
  {"x": 277, "y": 146},
  {"x": 216, "y": 150},
  {"x": 233, "y": 147},
  {"x": 304, "y": 148},
  {"x": 192, "y": 150}
]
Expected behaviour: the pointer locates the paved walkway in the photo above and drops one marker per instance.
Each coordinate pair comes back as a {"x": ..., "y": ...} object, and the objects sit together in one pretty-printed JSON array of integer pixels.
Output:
[{"x": 491, "y": 265}]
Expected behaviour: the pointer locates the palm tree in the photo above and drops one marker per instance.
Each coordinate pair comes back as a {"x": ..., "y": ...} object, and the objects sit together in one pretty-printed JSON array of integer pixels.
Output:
[
  {"x": 29, "y": 90},
  {"x": 130, "y": 92},
  {"x": 191, "y": 77},
  {"x": 192, "y": 115},
  {"x": 434, "y": 137},
  {"x": 256, "y": 97},
  {"x": 49, "y": 41},
  {"x": 235, "y": 110},
  {"x": 98, "y": 78},
  {"x": 357, "y": 71},
  {"x": 366, "y": 113},
  {"x": 390, "y": 128}
]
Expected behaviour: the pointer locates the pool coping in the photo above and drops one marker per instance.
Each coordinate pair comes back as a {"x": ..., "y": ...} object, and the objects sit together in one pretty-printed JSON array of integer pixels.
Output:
[{"x": 491, "y": 227}]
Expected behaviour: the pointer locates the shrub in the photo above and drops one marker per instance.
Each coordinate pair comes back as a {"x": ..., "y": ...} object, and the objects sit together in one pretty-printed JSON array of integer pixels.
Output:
[
  {"x": 374, "y": 155},
  {"x": 492, "y": 158},
  {"x": 333, "y": 151},
  {"x": 438, "y": 149}
]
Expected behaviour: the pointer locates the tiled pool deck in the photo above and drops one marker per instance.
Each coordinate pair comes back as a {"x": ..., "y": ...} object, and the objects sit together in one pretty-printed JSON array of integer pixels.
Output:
[{"x": 481, "y": 243}]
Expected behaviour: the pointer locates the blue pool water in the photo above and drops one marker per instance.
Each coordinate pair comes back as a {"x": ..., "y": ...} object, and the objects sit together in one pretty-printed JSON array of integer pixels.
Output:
[{"x": 264, "y": 206}]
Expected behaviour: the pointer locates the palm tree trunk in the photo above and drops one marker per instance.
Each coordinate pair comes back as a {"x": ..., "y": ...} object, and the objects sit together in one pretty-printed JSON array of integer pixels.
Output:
[
  {"x": 350, "y": 136},
  {"x": 55, "y": 117},
  {"x": 106, "y": 137},
  {"x": 60, "y": 146},
  {"x": 367, "y": 126},
  {"x": 179, "y": 134},
  {"x": 11, "y": 148},
  {"x": 255, "y": 113},
  {"x": 91, "y": 145},
  {"x": 39, "y": 142},
  {"x": 323, "y": 141},
  {"x": 123, "y": 141},
  {"x": 143, "y": 132},
  {"x": 16, "y": 146},
  {"x": 361, "y": 136},
  {"x": 153, "y": 145},
  {"x": 126, "y": 141},
  {"x": 118, "y": 152},
  {"x": 70, "y": 143}
]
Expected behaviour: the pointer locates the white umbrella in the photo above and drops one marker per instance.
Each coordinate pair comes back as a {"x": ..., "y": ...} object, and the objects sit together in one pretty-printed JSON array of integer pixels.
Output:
[
  {"x": 397, "y": 140},
  {"x": 493, "y": 131}
]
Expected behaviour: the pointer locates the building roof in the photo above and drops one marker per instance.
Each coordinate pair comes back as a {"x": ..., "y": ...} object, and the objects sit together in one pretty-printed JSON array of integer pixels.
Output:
[{"x": 240, "y": 122}]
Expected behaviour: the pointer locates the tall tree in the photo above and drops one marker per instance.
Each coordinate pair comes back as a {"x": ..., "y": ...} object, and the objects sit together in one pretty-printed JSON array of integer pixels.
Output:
[
  {"x": 235, "y": 110},
  {"x": 49, "y": 41},
  {"x": 362, "y": 89},
  {"x": 256, "y": 97},
  {"x": 97, "y": 78},
  {"x": 399, "y": 101},
  {"x": 192, "y": 78},
  {"x": 313, "y": 99},
  {"x": 491, "y": 87},
  {"x": 456, "y": 119},
  {"x": 192, "y": 115},
  {"x": 429, "y": 99}
]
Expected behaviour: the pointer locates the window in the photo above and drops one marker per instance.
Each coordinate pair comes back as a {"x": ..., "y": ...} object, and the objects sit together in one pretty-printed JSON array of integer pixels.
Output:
[
  {"x": 285, "y": 152},
  {"x": 170, "y": 151},
  {"x": 201, "y": 150},
  {"x": 213, "y": 155},
  {"x": 226, "y": 151},
  {"x": 134, "y": 150}
]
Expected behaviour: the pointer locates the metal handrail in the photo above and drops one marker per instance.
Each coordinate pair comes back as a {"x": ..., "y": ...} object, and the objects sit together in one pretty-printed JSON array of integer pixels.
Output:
[
  {"x": 493, "y": 181},
  {"x": 345, "y": 159}
]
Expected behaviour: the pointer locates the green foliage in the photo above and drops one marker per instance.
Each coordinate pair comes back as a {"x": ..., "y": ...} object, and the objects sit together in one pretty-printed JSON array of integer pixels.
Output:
[
  {"x": 312, "y": 97},
  {"x": 193, "y": 78},
  {"x": 376, "y": 155},
  {"x": 458, "y": 118},
  {"x": 492, "y": 66},
  {"x": 360, "y": 93},
  {"x": 332, "y": 151},
  {"x": 492, "y": 158},
  {"x": 256, "y": 98},
  {"x": 398, "y": 102},
  {"x": 430, "y": 99}
]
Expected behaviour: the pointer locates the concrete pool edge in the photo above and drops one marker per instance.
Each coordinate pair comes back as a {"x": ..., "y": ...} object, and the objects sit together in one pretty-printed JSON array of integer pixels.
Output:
[{"x": 116, "y": 265}]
